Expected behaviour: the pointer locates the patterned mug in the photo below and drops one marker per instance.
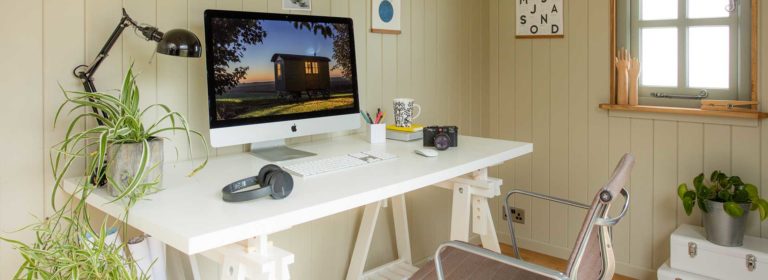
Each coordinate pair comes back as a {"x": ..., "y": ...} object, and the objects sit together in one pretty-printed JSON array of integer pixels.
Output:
[{"x": 404, "y": 115}]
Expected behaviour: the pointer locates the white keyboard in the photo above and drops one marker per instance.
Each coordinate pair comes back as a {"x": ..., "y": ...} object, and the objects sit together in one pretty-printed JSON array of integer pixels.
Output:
[{"x": 327, "y": 165}]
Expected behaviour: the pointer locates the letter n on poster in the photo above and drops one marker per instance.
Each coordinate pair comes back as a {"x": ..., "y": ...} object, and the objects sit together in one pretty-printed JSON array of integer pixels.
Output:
[{"x": 540, "y": 19}]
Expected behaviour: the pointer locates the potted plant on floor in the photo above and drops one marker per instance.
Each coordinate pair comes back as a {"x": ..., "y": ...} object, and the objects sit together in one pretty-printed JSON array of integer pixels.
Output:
[
  {"x": 129, "y": 140},
  {"x": 725, "y": 202}
]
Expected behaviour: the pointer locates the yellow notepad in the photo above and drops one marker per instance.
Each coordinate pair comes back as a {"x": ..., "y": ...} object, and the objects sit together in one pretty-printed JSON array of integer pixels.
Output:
[{"x": 413, "y": 128}]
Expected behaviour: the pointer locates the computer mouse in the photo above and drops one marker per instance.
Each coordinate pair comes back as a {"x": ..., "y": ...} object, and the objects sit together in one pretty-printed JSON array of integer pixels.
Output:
[{"x": 427, "y": 152}]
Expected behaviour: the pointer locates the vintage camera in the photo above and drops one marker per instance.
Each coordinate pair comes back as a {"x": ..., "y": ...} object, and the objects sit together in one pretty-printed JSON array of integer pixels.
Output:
[{"x": 441, "y": 137}]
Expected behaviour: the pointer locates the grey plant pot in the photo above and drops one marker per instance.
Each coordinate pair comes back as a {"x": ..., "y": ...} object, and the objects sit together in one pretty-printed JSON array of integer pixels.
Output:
[
  {"x": 721, "y": 228},
  {"x": 123, "y": 161}
]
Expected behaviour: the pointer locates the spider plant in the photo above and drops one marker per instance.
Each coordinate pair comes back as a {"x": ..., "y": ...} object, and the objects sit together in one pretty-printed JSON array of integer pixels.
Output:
[{"x": 67, "y": 246}]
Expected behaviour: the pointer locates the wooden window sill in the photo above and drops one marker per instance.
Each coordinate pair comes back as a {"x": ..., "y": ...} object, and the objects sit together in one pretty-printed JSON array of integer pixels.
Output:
[{"x": 684, "y": 111}]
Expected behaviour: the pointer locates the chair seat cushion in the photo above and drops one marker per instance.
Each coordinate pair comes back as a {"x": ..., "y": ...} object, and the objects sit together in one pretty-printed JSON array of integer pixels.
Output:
[{"x": 458, "y": 264}]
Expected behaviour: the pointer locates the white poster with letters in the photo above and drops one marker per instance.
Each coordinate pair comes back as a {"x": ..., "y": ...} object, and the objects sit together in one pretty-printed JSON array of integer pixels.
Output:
[{"x": 540, "y": 18}]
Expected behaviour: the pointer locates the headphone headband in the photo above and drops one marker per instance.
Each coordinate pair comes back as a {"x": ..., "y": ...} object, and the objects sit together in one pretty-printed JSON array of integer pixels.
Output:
[
  {"x": 273, "y": 180},
  {"x": 230, "y": 192}
]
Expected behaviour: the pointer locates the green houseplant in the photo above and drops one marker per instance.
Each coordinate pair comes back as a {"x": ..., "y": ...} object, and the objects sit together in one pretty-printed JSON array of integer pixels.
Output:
[
  {"x": 67, "y": 244},
  {"x": 725, "y": 202}
]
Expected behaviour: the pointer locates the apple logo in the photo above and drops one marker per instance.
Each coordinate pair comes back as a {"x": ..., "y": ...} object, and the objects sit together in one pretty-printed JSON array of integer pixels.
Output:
[{"x": 293, "y": 128}]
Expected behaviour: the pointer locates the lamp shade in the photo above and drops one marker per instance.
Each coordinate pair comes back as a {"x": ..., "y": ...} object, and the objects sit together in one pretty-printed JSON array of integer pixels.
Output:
[{"x": 180, "y": 42}]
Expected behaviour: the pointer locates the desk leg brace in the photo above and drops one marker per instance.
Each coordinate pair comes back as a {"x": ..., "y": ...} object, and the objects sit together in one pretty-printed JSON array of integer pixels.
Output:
[
  {"x": 470, "y": 196},
  {"x": 259, "y": 260}
]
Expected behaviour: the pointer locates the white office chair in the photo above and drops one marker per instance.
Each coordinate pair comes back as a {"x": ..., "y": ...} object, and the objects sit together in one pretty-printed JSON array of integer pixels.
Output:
[{"x": 592, "y": 256}]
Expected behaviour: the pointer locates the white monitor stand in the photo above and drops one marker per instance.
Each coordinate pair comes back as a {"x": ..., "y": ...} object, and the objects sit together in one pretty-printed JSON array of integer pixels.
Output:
[{"x": 277, "y": 150}]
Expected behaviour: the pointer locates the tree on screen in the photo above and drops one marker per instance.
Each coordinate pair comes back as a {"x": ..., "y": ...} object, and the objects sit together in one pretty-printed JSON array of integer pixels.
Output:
[
  {"x": 341, "y": 36},
  {"x": 230, "y": 43}
]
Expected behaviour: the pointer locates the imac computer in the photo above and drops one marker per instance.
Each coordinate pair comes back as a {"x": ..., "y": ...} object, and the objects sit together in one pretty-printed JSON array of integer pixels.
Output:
[{"x": 276, "y": 76}]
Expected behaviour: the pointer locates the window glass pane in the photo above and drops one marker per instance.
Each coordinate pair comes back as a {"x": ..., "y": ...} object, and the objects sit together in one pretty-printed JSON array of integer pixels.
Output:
[
  {"x": 658, "y": 9},
  {"x": 709, "y": 57},
  {"x": 658, "y": 56},
  {"x": 707, "y": 8}
]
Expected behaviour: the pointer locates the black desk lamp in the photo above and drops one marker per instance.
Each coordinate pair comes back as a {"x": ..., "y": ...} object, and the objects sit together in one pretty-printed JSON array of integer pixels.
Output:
[{"x": 176, "y": 42}]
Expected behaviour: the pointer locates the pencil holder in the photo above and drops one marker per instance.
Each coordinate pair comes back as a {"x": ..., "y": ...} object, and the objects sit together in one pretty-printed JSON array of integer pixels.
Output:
[{"x": 376, "y": 133}]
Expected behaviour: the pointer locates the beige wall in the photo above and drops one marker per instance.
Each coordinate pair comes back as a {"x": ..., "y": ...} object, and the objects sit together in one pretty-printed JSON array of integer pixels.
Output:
[
  {"x": 438, "y": 59},
  {"x": 547, "y": 92}
]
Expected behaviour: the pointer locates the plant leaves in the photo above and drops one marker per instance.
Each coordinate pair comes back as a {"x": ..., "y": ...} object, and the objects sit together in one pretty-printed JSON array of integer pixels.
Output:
[
  {"x": 698, "y": 182},
  {"x": 724, "y": 196},
  {"x": 702, "y": 205},
  {"x": 735, "y": 181},
  {"x": 713, "y": 177},
  {"x": 741, "y": 196},
  {"x": 689, "y": 200},
  {"x": 762, "y": 205},
  {"x": 752, "y": 191},
  {"x": 705, "y": 193},
  {"x": 733, "y": 209},
  {"x": 681, "y": 190}
]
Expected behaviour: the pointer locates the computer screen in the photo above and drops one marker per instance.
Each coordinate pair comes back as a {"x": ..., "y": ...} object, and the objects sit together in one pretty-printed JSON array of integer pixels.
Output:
[{"x": 276, "y": 67}]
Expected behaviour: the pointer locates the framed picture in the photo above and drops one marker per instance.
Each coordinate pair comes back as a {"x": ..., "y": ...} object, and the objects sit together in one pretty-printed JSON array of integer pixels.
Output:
[
  {"x": 540, "y": 19},
  {"x": 301, "y": 5},
  {"x": 385, "y": 16}
]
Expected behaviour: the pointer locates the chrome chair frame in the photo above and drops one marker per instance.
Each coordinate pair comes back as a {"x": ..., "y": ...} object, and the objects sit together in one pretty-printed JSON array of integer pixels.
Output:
[{"x": 597, "y": 218}]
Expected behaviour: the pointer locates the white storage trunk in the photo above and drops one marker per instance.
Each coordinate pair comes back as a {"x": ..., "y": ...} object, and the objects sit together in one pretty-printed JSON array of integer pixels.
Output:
[
  {"x": 667, "y": 273},
  {"x": 691, "y": 252}
]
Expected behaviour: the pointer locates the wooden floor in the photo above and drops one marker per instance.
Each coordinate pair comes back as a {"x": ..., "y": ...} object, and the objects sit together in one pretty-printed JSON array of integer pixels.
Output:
[{"x": 544, "y": 260}]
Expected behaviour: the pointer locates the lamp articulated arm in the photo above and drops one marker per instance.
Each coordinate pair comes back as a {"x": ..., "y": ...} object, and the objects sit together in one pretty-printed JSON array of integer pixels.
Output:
[
  {"x": 176, "y": 42},
  {"x": 85, "y": 72}
]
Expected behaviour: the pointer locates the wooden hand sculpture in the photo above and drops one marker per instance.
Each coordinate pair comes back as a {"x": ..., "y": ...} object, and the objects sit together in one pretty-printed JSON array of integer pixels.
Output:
[
  {"x": 634, "y": 80},
  {"x": 622, "y": 77}
]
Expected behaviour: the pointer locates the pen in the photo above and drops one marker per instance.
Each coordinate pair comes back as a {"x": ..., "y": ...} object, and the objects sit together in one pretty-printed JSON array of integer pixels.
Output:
[
  {"x": 379, "y": 116},
  {"x": 366, "y": 119},
  {"x": 370, "y": 120}
]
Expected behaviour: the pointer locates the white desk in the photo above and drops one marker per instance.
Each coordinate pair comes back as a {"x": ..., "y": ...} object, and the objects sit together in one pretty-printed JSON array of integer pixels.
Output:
[{"x": 190, "y": 215}]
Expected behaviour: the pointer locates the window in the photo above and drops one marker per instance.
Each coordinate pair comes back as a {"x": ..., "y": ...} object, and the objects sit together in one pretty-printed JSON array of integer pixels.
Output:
[
  {"x": 688, "y": 46},
  {"x": 279, "y": 69},
  {"x": 311, "y": 68}
]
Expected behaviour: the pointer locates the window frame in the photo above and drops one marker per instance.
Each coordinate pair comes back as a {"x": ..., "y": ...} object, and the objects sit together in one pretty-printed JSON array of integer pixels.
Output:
[{"x": 745, "y": 66}]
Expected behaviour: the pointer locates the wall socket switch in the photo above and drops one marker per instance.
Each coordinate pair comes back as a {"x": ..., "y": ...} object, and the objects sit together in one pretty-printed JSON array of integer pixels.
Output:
[{"x": 518, "y": 215}]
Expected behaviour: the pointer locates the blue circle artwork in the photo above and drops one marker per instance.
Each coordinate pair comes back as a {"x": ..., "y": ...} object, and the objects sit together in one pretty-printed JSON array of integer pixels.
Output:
[{"x": 386, "y": 11}]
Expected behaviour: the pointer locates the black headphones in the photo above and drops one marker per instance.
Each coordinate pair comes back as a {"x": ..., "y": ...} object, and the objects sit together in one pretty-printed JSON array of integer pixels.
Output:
[{"x": 273, "y": 181}]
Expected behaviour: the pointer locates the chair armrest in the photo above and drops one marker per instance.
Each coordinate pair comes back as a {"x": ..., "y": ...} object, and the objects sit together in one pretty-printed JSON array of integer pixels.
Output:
[
  {"x": 544, "y": 197},
  {"x": 533, "y": 268},
  {"x": 539, "y": 196}
]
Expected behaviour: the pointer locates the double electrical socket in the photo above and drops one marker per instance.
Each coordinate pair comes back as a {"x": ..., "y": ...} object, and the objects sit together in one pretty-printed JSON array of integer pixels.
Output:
[{"x": 518, "y": 215}]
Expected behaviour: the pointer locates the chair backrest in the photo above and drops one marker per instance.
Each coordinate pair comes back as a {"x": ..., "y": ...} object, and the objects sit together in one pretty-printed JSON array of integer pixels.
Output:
[{"x": 592, "y": 256}]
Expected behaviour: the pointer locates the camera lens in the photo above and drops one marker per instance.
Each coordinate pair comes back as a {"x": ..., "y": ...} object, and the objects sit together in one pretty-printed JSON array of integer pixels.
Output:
[{"x": 442, "y": 141}]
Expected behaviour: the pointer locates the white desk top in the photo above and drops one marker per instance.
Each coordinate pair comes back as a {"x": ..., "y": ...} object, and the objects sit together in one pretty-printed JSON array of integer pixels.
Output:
[{"x": 190, "y": 215}]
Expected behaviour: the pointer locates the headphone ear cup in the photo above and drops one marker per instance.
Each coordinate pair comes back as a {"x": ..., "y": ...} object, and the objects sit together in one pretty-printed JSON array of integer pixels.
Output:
[
  {"x": 281, "y": 184},
  {"x": 269, "y": 168}
]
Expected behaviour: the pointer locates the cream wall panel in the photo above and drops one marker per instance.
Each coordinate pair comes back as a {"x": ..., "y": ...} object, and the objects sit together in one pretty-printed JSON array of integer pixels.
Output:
[
  {"x": 745, "y": 163},
  {"x": 559, "y": 136},
  {"x": 59, "y": 59},
  {"x": 690, "y": 152},
  {"x": 21, "y": 118},
  {"x": 540, "y": 119},
  {"x": 664, "y": 176},
  {"x": 578, "y": 115},
  {"x": 641, "y": 218},
  {"x": 763, "y": 76}
]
